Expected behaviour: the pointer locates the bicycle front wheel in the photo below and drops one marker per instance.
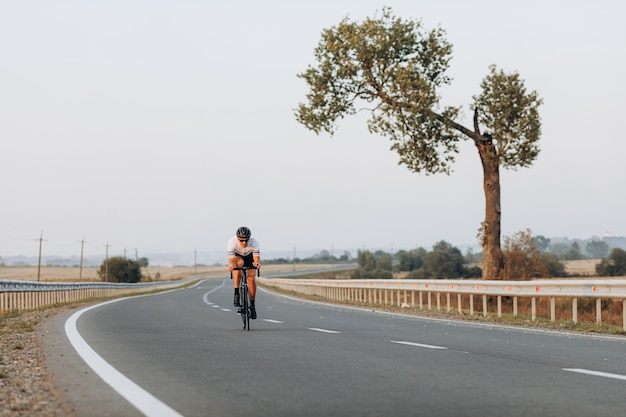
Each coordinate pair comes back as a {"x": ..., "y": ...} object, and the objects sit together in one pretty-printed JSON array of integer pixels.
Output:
[
  {"x": 243, "y": 302},
  {"x": 247, "y": 311}
]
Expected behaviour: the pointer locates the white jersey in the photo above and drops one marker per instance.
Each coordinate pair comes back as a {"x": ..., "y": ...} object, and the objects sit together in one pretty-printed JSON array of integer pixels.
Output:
[{"x": 234, "y": 248}]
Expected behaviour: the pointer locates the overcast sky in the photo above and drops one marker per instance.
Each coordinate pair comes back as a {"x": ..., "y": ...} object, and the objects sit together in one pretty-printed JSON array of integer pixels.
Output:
[{"x": 162, "y": 126}]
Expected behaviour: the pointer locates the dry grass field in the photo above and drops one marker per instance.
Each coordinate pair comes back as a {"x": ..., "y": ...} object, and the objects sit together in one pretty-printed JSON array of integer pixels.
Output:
[
  {"x": 581, "y": 268},
  {"x": 74, "y": 274}
]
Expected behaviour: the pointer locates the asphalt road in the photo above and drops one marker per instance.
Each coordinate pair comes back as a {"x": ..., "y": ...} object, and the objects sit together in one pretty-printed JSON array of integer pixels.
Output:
[{"x": 185, "y": 353}]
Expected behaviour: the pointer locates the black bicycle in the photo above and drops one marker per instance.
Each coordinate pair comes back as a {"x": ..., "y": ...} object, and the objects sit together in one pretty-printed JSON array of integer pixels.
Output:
[{"x": 244, "y": 296}]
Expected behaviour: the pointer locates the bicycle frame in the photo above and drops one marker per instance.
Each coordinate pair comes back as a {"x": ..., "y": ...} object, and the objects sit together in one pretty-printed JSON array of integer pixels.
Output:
[{"x": 244, "y": 296}]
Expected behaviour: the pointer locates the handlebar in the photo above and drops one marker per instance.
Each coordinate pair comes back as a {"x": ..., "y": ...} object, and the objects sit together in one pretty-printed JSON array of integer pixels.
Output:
[{"x": 245, "y": 268}]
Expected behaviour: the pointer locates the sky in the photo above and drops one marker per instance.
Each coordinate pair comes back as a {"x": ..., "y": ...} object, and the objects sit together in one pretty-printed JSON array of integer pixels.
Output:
[{"x": 161, "y": 126}]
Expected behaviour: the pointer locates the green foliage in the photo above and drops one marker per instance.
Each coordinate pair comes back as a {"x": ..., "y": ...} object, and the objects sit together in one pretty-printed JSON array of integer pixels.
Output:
[
  {"x": 120, "y": 269},
  {"x": 505, "y": 108},
  {"x": 361, "y": 273},
  {"x": 396, "y": 69},
  {"x": 554, "y": 265},
  {"x": 444, "y": 261},
  {"x": 410, "y": 260},
  {"x": 369, "y": 261},
  {"x": 614, "y": 265}
]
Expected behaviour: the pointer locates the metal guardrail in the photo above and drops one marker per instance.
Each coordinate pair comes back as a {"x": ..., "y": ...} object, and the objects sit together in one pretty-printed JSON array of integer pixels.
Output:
[
  {"x": 412, "y": 293},
  {"x": 26, "y": 295}
]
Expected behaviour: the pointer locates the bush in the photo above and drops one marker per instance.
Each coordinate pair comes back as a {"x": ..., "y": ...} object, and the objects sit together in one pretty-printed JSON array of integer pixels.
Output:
[
  {"x": 120, "y": 269},
  {"x": 614, "y": 265},
  {"x": 372, "y": 274},
  {"x": 524, "y": 261}
]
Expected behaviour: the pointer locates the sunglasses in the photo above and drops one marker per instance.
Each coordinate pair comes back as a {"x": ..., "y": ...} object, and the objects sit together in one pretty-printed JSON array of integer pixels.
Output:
[{"x": 244, "y": 240}]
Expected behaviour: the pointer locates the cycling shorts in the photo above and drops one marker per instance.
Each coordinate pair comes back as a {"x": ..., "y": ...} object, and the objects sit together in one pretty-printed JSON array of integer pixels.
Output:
[{"x": 248, "y": 260}]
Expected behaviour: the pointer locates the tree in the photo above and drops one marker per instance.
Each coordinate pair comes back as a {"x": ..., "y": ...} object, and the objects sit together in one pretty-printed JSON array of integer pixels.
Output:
[
  {"x": 574, "y": 252},
  {"x": 597, "y": 249},
  {"x": 396, "y": 69},
  {"x": 445, "y": 261},
  {"x": 120, "y": 269},
  {"x": 411, "y": 260},
  {"x": 541, "y": 242},
  {"x": 375, "y": 265}
]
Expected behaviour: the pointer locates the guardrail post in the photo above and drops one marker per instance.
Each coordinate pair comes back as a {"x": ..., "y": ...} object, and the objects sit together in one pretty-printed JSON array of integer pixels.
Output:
[
  {"x": 484, "y": 305},
  {"x": 458, "y": 303},
  {"x": 533, "y": 303},
  {"x": 471, "y": 304},
  {"x": 421, "y": 301},
  {"x": 413, "y": 301},
  {"x": 499, "y": 306},
  {"x": 438, "y": 301},
  {"x": 575, "y": 310},
  {"x": 599, "y": 311},
  {"x": 429, "y": 301},
  {"x": 448, "y": 302},
  {"x": 552, "y": 308},
  {"x": 624, "y": 315},
  {"x": 515, "y": 306}
]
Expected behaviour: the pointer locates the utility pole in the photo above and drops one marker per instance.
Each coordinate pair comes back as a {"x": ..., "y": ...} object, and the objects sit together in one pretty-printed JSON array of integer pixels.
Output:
[
  {"x": 39, "y": 263},
  {"x": 80, "y": 271},
  {"x": 106, "y": 264}
]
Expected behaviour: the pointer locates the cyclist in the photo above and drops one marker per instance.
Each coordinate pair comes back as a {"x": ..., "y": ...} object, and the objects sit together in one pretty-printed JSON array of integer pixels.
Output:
[{"x": 243, "y": 250}]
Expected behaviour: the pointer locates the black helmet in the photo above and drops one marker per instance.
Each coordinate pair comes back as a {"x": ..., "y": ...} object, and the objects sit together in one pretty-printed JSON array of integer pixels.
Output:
[{"x": 244, "y": 232}]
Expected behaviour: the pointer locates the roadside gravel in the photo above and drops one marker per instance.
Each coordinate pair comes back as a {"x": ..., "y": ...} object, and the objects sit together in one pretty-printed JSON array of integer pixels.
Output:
[{"x": 25, "y": 381}]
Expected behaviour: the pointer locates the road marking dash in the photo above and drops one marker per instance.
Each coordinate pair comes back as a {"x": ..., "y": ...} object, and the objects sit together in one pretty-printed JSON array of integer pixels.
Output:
[
  {"x": 596, "y": 373},
  {"x": 273, "y": 321},
  {"x": 401, "y": 342},
  {"x": 316, "y": 329}
]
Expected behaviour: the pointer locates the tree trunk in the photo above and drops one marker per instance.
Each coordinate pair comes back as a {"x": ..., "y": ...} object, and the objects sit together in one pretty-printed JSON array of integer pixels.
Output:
[{"x": 492, "y": 252}]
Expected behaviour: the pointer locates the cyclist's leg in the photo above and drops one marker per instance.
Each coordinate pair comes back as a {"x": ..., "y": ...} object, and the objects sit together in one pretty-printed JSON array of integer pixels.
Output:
[
  {"x": 237, "y": 279},
  {"x": 248, "y": 262},
  {"x": 252, "y": 283}
]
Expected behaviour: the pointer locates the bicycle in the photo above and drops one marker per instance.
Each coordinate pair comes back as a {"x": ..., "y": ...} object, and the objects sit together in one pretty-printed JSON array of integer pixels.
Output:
[{"x": 244, "y": 296}]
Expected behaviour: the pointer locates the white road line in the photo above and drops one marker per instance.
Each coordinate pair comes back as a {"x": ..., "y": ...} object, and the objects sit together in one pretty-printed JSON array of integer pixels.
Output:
[
  {"x": 273, "y": 321},
  {"x": 141, "y": 399},
  {"x": 226, "y": 309},
  {"x": 596, "y": 373},
  {"x": 315, "y": 329},
  {"x": 400, "y": 342}
]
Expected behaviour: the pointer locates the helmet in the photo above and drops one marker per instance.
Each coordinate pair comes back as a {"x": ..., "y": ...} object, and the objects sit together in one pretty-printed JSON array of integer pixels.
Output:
[{"x": 243, "y": 232}]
